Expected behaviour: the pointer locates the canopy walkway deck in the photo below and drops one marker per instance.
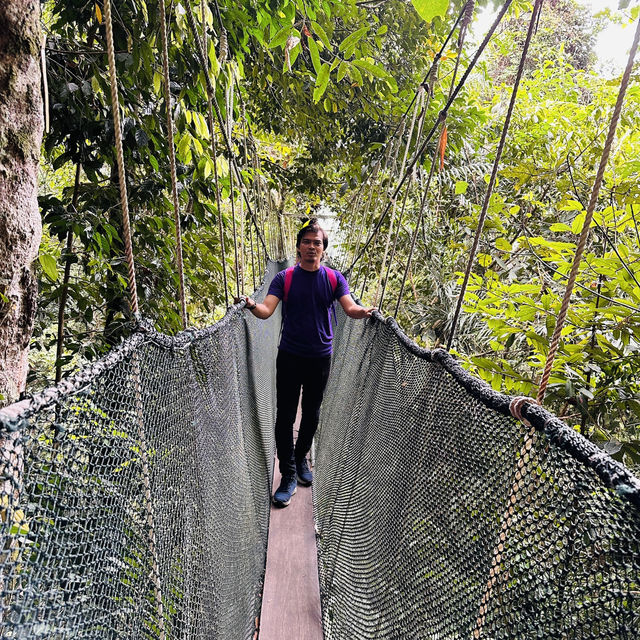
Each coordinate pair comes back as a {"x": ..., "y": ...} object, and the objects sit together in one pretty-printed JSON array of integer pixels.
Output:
[
  {"x": 291, "y": 597},
  {"x": 135, "y": 501}
]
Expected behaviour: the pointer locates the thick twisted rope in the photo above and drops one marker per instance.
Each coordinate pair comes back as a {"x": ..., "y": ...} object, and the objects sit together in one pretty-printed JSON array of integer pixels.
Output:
[
  {"x": 584, "y": 234},
  {"x": 155, "y": 571},
  {"x": 124, "y": 200},
  {"x": 494, "y": 172},
  {"x": 172, "y": 161}
]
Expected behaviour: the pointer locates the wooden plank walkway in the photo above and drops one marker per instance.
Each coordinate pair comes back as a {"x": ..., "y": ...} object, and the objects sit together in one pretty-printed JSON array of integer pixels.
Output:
[{"x": 291, "y": 597}]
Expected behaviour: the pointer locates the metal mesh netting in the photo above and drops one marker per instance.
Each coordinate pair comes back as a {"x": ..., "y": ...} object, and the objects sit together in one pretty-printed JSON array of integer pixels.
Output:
[
  {"x": 135, "y": 496},
  {"x": 439, "y": 516}
]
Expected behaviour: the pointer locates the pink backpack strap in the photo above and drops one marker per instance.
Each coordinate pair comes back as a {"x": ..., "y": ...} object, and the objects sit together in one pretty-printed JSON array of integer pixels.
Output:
[
  {"x": 333, "y": 279},
  {"x": 288, "y": 275}
]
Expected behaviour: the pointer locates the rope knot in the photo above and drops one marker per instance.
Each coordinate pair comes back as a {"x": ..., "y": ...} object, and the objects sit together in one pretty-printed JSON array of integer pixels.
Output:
[{"x": 516, "y": 405}]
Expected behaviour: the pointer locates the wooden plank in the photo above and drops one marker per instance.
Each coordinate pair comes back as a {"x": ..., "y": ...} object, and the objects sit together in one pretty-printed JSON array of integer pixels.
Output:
[{"x": 291, "y": 597}]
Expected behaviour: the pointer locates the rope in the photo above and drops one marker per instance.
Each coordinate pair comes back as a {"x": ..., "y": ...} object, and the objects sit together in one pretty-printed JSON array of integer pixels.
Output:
[
  {"x": 172, "y": 161},
  {"x": 584, "y": 234},
  {"x": 229, "y": 123},
  {"x": 415, "y": 232},
  {"x": 393, "y": 248},
  {"x": 64, "y": 292},
  {"x": 444, "y": 111},
  {"x": 367, "y": 208},
  {"x": 516, "y": 405},
  {"x": 124, "y": 200},
  {"x": 214, "y": 149},
  {"x": 214, "y": 152},
  {"x": 245, "y": 166},
  {"x": 210, "y": 90},
  {"x": 467, "y": 13},
  {"x": 155, "y": 573},
  {"x": 390, "y": 232},
  {"x": 404, "y": 204},
  {"x": 379, "y": 187},
  {"x": 494, "y": 173},
  {"x": 462, "y": 16}
]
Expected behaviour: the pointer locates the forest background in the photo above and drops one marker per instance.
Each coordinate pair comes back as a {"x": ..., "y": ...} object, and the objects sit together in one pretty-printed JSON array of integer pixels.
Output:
[{"x": 326, "y": 105}]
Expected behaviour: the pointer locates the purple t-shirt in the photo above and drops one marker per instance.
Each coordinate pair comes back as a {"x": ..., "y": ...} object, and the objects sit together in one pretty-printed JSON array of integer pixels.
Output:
[{"x": 306, "y": 327}]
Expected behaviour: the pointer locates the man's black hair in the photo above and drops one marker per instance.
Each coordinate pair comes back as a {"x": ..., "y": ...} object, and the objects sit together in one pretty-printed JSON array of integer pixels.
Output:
[{"x": 314, "y": 227}]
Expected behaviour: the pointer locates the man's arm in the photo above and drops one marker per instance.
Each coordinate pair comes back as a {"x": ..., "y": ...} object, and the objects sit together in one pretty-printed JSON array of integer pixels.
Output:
[
  {"x": 264, "y": 309},
  {"x": 354, "y": 310}
]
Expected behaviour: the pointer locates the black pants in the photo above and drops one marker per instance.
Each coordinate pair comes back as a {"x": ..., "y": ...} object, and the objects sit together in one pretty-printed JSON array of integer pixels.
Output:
[{"x": 293, "y": 373}]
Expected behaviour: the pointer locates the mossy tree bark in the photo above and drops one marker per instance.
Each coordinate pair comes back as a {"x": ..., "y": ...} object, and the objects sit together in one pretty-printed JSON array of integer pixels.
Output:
[{"x": 21, "y": 125}]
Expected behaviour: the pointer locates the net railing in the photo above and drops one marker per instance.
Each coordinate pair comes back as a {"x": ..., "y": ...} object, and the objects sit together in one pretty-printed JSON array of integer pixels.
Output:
[
  {"x": 135, "y": 495},
  {"x": 134, "y": 499},
  {"x": 441, "y": 517}
]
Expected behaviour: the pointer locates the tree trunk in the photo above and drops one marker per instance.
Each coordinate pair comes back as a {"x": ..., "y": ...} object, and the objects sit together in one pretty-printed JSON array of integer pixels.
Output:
[{"x": 21, "y": 124}]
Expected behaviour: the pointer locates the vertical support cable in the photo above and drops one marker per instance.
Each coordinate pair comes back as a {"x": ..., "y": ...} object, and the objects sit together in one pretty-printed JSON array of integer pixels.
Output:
[
  {"x": 65, "y": 280},
  {"x": 494, "y": 173},
  {"x": 253, "y": 262},
  {"x": 384, "y": 277},
  {"x": 214, "y": 151},
  {"x": 393, "y": 215},
  {"x": 584, "y": 234},
  {"x": 155, "y": 572},
  {"x": 229, "y": 106},
  {"x": 245, "y": 167},
  {"x": 124, "y": 200},
  {"x": 444, "y": 111},
  {"x": 202, "y": 59},
  {"x": 172, "y": 161},
  {"x": 396, "y": 237},
  {"x": 423, "y": 202}
]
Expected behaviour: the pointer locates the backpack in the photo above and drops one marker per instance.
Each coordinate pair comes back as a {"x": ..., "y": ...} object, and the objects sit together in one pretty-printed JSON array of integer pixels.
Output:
[{"x": 333, "y": 282}]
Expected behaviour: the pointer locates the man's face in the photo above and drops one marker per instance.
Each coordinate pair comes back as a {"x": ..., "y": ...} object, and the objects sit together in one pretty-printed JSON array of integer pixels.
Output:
[{"x": 311, "y": 247}]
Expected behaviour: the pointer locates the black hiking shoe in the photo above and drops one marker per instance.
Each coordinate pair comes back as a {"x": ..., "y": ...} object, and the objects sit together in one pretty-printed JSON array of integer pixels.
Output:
[
  {"x": 305, "y": 477},
  {"x": 282, "y": 496}
]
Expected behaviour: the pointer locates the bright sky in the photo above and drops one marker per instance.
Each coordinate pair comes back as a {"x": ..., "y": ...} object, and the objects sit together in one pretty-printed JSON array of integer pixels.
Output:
[{"x": 612, "y": 46}]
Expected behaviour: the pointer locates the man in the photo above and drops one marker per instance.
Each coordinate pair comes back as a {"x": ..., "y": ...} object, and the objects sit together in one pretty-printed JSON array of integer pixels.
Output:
[{"x": 304, "y": 353}]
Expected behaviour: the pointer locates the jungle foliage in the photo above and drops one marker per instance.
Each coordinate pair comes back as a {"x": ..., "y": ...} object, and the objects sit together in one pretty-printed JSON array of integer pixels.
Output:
[{"x": 317, "y": 96}]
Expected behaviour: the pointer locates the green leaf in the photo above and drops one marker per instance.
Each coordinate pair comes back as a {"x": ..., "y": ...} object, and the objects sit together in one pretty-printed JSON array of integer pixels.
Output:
[
  {"x": 281, "y": 37},
  {"x": 49, "y": 266},
  {"x": 503, "y": 244},
  {"x": 429, "y": 9},
  {"x": 560, "y": 226},
  {"x": 578, "y": 222},
  {"x": 342, "y": 69},
  {"x": 213, "y": 59},
  {"x": 392, "y": 84},
  {"x": 572, "y": 205},
  {"x": 315, "y": 56},
  {"x": 353, "y": 38},
  {"x": 371, "y": 68},
  {"x": 355, "y": 74},
  {"x": 320, "y": 32},
  {"x": 321, "y": 82},
  {"x": 484, "y": 259},
  {"x": 461, "y": 187}
]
